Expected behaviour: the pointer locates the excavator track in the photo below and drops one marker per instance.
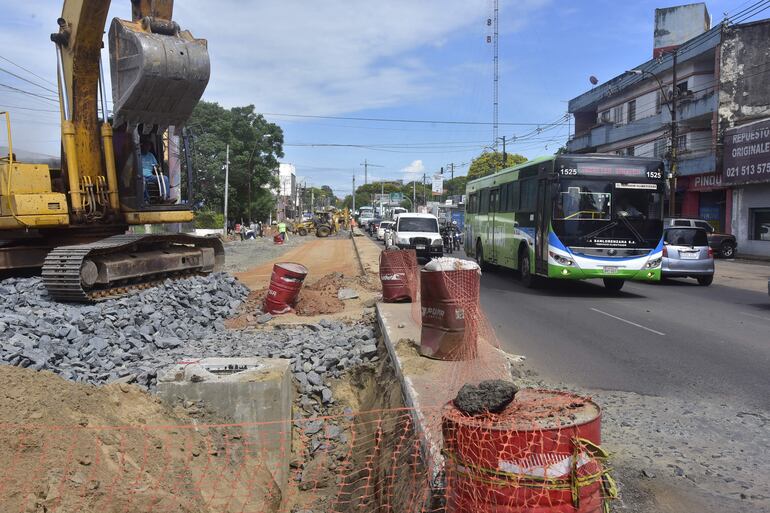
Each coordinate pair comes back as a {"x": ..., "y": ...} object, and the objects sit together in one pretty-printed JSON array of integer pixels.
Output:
[{"x": 121, "y": 264}]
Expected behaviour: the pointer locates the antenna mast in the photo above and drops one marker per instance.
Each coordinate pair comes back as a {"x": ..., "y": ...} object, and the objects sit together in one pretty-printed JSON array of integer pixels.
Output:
[{"x": 495, "y": 80}]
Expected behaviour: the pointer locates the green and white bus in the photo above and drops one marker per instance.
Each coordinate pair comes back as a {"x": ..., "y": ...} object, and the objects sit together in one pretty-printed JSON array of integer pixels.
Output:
[{"x": 570, "y": 217}]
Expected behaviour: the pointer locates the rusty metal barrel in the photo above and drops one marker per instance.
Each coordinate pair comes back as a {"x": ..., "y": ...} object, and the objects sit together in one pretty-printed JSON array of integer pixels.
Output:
[
  {"x": 285, "y": 284},
  {"x": 398, "y": 275},
  {"x": 540, "y": 455},
  {"x": 449, "y": 290}
]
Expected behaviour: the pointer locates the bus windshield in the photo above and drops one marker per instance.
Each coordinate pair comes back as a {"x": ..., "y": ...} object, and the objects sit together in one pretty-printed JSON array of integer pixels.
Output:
[{"x": 589, "y": 211}]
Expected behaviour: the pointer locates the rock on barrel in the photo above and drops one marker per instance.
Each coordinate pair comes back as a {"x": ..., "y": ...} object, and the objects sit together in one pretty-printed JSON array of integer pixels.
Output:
[
  {"x": 285, "y": 284},
  {"x": 540, "y": 455},
  {"x": 449, "y": 290},
  {"x": 398, "y": 275}
]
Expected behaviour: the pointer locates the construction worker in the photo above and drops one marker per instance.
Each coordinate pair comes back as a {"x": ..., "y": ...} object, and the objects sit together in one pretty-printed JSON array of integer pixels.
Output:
[
  {"x": 282, "y": 230},
  {"x": 151, "y": 170}
]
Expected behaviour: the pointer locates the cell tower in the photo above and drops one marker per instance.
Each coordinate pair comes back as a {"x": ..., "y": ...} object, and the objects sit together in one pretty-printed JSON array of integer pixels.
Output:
[{"x": 495, "y": 69}]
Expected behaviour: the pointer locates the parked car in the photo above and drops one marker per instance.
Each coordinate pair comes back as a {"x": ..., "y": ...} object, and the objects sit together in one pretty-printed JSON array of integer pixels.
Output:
[
  {"x": 687, "y": 254},
  {"x": 384, "y": 225},
  {"x": 419, "y": 232},
  {"x": 723, "y": 244}
]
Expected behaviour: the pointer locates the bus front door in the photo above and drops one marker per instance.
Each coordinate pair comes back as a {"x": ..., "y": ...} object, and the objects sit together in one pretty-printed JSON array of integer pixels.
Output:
[
  {"x": 542, "y": 221},
  {"x": 493, "y": 224}
]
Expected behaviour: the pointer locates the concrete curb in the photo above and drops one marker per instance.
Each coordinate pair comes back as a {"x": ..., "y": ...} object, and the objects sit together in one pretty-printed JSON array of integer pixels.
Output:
[
  {"x": 358, "y": 253},
  {"x": 430, "y": 447}
]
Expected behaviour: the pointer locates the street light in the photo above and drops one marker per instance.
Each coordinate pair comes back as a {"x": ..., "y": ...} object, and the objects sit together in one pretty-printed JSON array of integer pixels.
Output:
[{"x": 672, "y": 111}]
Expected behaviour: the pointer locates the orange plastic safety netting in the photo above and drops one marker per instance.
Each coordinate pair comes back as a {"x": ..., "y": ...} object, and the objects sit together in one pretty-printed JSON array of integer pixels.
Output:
[
  {"x": 540, "y": 454},
  {"x": 365, "y": 462}
]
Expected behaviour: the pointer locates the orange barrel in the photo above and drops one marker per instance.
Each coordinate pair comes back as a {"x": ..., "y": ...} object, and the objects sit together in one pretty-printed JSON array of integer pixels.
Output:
[
  {"x": 450, "y": 309},
  {"x": 398, "y": 274},
  {"x": 540, "y": 455},
  {"x": 285, "y": 284}
]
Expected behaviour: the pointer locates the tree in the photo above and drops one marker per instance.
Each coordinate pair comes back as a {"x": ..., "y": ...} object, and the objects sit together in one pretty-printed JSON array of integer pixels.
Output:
[
  {"x": 255, "y": 147},
  {"x": 489, "y": 162}
]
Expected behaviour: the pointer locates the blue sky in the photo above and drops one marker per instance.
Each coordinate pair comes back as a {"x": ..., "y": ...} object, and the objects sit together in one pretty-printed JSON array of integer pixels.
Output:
[{"x": 400, "y": 59}]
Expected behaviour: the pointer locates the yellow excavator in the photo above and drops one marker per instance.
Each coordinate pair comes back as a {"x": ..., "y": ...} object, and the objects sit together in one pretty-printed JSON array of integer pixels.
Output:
[{"x": 73, "y": 221}]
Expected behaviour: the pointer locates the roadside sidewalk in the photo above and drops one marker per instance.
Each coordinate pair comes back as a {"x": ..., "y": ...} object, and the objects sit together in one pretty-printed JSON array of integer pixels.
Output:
[{"x": 742, "y": 275}]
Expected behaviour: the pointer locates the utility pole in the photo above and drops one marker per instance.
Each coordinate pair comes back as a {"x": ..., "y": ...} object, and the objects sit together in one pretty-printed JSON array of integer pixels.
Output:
[
  {"x": 674, "y": 144},
  {"x": 227, "y": 181},
  {"x": 354, "y": 193},
  {"x": 452, "y": 165},
  {"x": 505, "y": 156},
  {"x": 414, "y": 195},
  {"x": 367, "y": 165},
  {"x": 424, "y": 200}
]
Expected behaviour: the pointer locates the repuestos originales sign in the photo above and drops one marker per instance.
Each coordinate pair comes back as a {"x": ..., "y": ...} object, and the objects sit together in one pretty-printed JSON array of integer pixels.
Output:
[{"x": 747, "y": 153}]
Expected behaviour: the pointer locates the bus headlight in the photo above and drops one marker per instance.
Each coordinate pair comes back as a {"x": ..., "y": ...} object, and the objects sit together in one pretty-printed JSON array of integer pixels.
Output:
[
  {"x": 560, "y": 259},
  {"x": 652, "y": 264}
]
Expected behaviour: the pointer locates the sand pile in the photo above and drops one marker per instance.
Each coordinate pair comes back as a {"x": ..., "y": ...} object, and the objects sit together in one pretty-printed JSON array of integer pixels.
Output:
[
  {"x": 71, "y": 447},
  {"x": 320, "y": 297}
]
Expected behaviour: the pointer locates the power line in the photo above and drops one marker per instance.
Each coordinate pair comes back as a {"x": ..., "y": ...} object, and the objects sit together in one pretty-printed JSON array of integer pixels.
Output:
[
  {"x": 22, "y": 91},
  {"x": 28, "y": 81},
  {"x": 28, "y": 108},
  {"x": 27, "y": 70},
  {"x": 395, "y": 120}
]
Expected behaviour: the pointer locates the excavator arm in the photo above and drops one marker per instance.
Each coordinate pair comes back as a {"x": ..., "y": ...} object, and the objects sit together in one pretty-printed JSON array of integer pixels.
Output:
[{"x": 158, "y": 72}]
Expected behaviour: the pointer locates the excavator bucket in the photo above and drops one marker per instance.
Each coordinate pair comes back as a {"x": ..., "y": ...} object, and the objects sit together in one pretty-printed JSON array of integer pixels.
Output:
[{"x": 158, "y": 72}]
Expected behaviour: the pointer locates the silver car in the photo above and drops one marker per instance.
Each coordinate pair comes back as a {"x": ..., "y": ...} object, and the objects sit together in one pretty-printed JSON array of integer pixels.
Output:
[{"x": 686, "y": 254}]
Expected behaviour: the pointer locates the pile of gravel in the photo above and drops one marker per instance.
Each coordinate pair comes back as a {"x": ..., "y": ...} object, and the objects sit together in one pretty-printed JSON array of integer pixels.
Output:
[
  {"x": 130, "y": 339},
  {"x": 100, "y": 342}
]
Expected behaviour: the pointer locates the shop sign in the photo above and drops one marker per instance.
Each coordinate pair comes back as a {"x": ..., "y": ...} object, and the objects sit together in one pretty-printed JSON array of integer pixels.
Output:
[
  {"x": 747, "y": 153},
  {"x": 705, "y": 182}
]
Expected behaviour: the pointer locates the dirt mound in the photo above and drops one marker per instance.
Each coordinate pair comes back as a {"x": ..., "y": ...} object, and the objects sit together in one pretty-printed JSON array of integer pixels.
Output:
[
  {"x": 320, "y": 297},
  {"x": 250, "y": 309},
  {"x": 73, "y": 447}
]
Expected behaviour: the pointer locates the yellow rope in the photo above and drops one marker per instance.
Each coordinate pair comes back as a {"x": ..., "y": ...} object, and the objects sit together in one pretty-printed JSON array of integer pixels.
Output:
[{"x": 573, "y": 483}]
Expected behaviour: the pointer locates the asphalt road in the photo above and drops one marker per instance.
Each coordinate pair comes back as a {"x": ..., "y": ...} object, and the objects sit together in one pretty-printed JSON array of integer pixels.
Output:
[
  {"x": 673, "y": 338},
  {"x": 669, "y": 339}
]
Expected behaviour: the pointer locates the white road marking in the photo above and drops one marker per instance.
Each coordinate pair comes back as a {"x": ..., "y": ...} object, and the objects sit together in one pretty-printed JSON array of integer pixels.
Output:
[
  {"x": 756, "y": 316},
  {"x": 628, "y": 322}
]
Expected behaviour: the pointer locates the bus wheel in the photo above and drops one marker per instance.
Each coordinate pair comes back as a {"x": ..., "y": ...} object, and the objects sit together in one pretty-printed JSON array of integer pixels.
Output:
[
  {"x": 480, "y": 257},
  {"x": 613, "y": 284},
  {"x": 526, "y": 271}
]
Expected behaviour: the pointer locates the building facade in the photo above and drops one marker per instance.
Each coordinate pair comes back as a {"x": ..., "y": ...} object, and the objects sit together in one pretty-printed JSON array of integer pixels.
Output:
[
  {"x": 286, "y": 204},
  {"x": 713, "y": 82}
]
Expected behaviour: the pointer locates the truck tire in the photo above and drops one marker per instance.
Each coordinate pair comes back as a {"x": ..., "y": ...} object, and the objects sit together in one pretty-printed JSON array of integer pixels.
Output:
[
  {"x": 323, "y": 231},
  {"x": 302, "y": 231},
  {"x": 727, "y": 250}
]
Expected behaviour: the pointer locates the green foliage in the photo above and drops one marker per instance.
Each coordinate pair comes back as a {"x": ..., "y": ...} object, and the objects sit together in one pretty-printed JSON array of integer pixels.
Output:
[
  {"x": 255, "y": 147},
  {"x": 490, "y": 162},
  {"x": 320, "y": 196},
  {"x": 209, "y": 219}
]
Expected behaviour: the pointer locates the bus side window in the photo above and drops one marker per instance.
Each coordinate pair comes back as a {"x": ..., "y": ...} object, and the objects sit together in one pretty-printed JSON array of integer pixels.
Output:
[
  {"x": 513, "y": 197},
  {"x": 484, "y": 201},
  {"x": 503, "y": 199},
  {"x": 472, "y": 203},
  {"x": 528, "y": 195}
]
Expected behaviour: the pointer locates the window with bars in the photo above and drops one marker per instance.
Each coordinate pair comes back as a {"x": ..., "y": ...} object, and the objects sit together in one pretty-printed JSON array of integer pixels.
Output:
[
  {"x": 617, "y": 114},
  {"x": 631, "y": 108}
]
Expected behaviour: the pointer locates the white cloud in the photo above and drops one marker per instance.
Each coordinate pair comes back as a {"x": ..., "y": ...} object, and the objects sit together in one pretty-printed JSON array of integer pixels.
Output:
[
  {"x": 415, "y": 167},
  {"x": 319, "y": 58}
]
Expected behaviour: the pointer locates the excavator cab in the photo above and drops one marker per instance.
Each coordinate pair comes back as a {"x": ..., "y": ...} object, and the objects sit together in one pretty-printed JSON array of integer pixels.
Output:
[{"x": 159, "y": 73}]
